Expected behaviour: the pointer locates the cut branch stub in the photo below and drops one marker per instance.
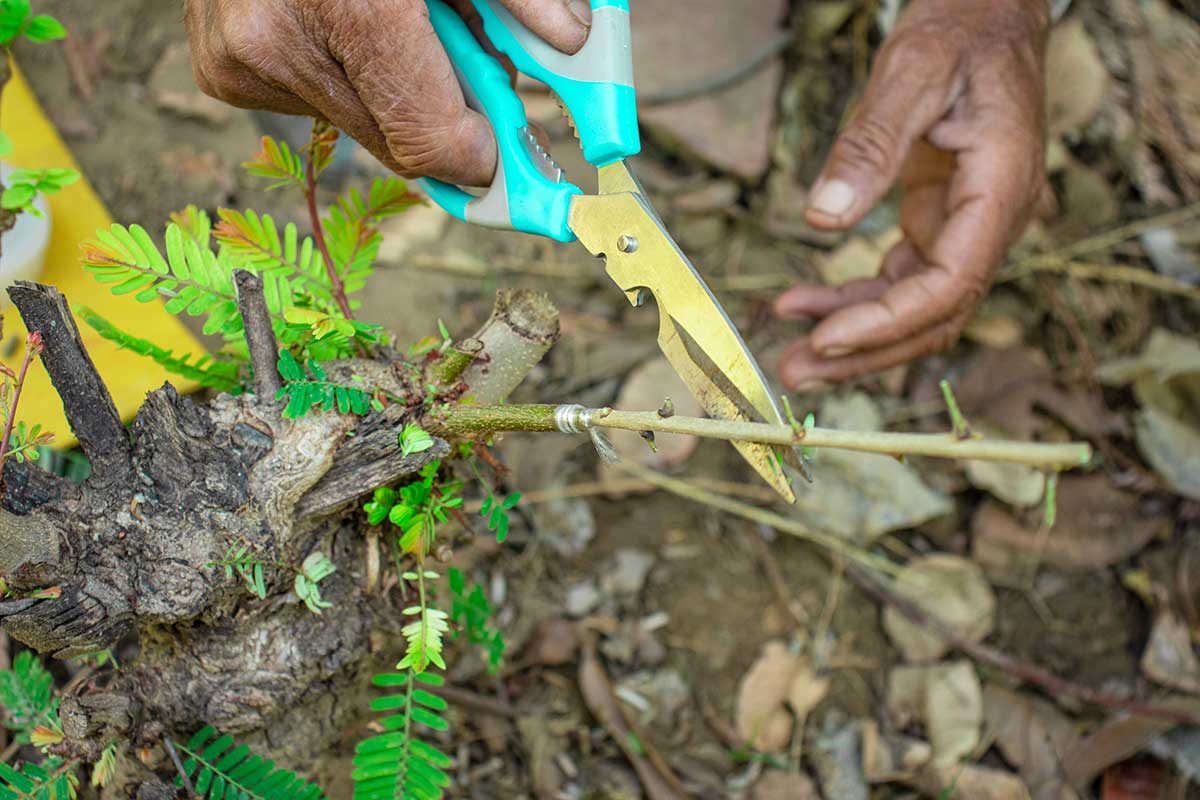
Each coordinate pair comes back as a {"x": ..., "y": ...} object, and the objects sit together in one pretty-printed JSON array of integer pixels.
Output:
[
  {"x": 88, "y": 406},
  {"x": 523, "y": 326},
  {"x": 260, "y": 336}
]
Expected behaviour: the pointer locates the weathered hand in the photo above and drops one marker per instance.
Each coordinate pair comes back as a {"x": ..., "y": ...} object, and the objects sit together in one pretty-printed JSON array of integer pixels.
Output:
[
  {"x": 373, "y": 68},
  {"x": 954, "y": 111}
]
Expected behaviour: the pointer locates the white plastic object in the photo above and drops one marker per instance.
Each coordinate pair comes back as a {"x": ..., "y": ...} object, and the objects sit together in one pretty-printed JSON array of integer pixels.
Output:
[{"x": 23, "y": 247}]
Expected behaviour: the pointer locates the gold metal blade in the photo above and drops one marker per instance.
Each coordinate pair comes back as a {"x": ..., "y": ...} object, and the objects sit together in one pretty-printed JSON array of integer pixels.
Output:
[{"x": 695, "y": 333}]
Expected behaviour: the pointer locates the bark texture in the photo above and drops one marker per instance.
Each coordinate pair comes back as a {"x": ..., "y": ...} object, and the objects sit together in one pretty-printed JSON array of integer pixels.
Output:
[{"x": 133, "y": 549}]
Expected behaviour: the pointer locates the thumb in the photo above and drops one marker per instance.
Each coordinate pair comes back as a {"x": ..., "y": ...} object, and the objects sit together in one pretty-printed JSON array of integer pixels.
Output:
[
  {"x": 910, "y": 89},
  {"x": 563, "y": 23}
]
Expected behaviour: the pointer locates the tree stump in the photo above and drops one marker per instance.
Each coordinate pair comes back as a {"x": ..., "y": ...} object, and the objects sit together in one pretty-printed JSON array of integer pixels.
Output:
[{"x": 133, "y": 547}]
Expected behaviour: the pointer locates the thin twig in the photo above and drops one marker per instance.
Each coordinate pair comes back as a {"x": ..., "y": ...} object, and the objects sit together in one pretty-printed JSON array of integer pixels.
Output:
[
  {"x": 260, "y": 336},
  {"x": 783, "y": 594},
  {"x": 1027, "y": 672},
  {"x": 616, "y": 486},
  {"x": 1114, "y": 236},
  {"x": 33, "y": 346},
  {"x": 477, "y": 702},
  {"x": 1113, "y": 273},
  {"x": 314, "y": 217},
  {"x": 183, "y": 776},
  {"x": 779, "y": 522}
]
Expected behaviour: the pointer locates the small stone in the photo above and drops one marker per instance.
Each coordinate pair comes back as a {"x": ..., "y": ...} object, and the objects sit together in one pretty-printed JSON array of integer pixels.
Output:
[
  {"x": 582, "y": 599},
  {"x": 730, "y": 128},
  {"x": 174, "y": 89},
  {"x": 714, "y": 195},
  {"x": 628, "y": 571}
]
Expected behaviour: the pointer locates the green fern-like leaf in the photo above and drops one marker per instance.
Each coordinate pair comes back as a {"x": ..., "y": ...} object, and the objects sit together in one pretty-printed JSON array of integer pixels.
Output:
[
  {"x": 53, "y": 779},
  {"x": 305, "y": 392},
  {"x": 219, "y": 375},
  {"x": 190, "y": 277},
  {"x": 195, "y": 223},
  {"x": 396, "y": 764},
  {"x": 474, "y": 613},
  {"x": 277, "y": 162},
  {"x": 220, "y": 770},
  {"x": 255, "y": 242},
  {"x": 351, "y": 232},
  {"x": 424, "y": 634},
  {"x": 26, "y": 691}
]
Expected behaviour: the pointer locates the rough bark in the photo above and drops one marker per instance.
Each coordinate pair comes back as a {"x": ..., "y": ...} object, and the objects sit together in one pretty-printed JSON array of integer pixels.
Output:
[{"x": 133, "y": 550}]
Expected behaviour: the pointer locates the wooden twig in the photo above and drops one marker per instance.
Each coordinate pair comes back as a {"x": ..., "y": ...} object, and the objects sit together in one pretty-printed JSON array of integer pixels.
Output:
[
  {"x": 336, "y": 287},
  {"x": 260, "y": 336},
  {"x": 1112, "y": 273},
  {"x": 183, "y": 776},
  {"x": 86, "y": 402},
  {"x": 475, "y": 702},
  {"x": 779, "y": 522},
  {"x": 465, "y": 420},
  {"x": 33, "y": 347},
  {"x": 997, "y": 659}
]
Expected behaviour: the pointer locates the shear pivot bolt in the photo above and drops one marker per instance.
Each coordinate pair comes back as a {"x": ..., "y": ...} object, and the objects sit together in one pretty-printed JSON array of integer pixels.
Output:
[{"x": 627, "y": 243}]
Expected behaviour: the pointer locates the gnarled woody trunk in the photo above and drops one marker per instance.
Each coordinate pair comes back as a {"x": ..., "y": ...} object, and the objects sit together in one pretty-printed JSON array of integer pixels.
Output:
[{"x": 131, "y": 548}]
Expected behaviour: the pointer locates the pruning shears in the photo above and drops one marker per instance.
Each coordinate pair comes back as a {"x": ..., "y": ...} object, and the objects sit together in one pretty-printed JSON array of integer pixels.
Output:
[{"x": 529, "y": 193}]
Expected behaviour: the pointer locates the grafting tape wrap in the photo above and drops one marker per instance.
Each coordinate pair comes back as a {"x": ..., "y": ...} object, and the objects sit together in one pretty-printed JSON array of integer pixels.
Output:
[{"x": 574, "y": 418}]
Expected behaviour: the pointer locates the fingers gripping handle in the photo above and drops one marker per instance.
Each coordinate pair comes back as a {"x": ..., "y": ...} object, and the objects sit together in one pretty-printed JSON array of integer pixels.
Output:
[
  {"x": 521, "y": 195},
  {"x": 595, "y": 84}
]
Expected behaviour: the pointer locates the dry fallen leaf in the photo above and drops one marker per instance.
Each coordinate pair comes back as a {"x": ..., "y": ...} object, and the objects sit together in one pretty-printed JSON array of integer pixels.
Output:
[
  {"x": 1141, "y": 778},
  {"x": 807, "y": 690},
  {"x": 946, "y": 699},
  {"x": 998, "y": 331},
  {"x": 891, "y": 757},
  {"x": 554, "y": 642},
  {"x": 858, "y": 258},
  {"x": 1033, "y": 735},
  {"x": 1172, "y": 447},
  {"x": 597, "y": 690},
  {"x": 948, "y": 588},
  {"x": 863, "y": 495},
  {"x": 1166, "y": 381},
  {"x": 1096, "y": 526},
  {"x": 760, "y": 716},
  {"x": 1169, "y": 658},
  {"x": 1077, "y": 78},
  {"x": 778, "y": 784},
  {"x": 1015, "y": 484},
  {"x": 971, "y": 782},
  {"x": 1016, "y": 391}
]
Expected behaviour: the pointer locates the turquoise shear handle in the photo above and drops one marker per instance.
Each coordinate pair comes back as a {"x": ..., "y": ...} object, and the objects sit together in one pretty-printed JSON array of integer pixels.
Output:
[{"x": 527, "y": 192}]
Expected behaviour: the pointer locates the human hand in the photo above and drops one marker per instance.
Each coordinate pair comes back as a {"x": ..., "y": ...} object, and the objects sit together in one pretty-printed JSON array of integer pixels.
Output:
[
  {"x": 373, "y": 68},
  {"x": 954, "y": 111}
]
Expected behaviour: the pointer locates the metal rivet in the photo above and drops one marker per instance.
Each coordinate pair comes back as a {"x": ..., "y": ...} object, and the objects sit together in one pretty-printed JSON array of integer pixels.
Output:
[{"x": 627, "y": 243}]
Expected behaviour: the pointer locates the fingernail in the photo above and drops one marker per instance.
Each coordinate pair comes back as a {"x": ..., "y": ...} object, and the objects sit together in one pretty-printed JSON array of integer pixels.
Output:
[
  {"x": 812, "y": 386},
  {"x": 832, "y": 198},
  {"x": 582, "y": 11},
  {"x": 837, "y": 351}
]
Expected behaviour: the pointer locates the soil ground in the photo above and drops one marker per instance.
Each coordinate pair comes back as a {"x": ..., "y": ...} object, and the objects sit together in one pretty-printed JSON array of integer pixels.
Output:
[{"x": 678, "y": 595}]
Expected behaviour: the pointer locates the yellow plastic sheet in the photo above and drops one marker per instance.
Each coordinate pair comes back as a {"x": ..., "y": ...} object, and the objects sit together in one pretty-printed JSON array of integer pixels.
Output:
[{"x": 76, "y": 212}]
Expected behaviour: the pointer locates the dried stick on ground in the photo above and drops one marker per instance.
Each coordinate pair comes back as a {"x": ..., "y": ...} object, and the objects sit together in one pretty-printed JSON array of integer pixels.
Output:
[{"x": 1030, "y": 673}]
